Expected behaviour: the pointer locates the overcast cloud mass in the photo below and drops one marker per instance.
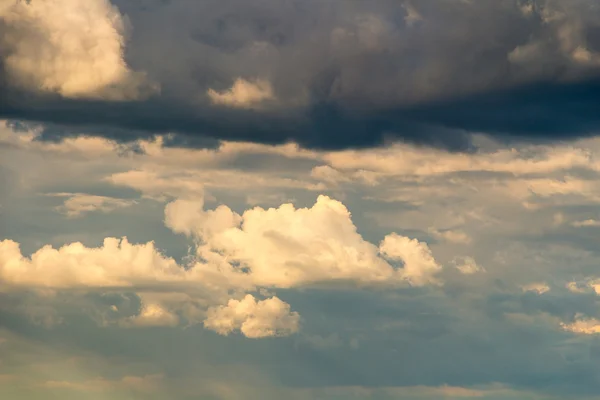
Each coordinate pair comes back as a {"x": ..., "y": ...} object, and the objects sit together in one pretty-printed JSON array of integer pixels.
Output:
[
  {"x": 281, "y": 199},
  {"x": 328, "y": 75}
]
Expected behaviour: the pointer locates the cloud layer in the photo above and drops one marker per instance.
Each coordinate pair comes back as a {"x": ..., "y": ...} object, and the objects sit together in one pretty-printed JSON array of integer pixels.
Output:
[
  {"x": 277, "y": 248},
  {"x": 267, "y": 272},
  {"x": 331, "y": 75}
]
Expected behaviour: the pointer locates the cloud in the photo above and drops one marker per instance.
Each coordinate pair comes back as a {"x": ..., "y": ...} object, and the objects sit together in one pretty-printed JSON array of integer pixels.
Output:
[
  {"x": 364, "y": 75},
  {"x": 243, "y": 94},
  {"x": 78, "y": 204},
  {"x": 277, "y": 248},
  {"x": 581, "y": 325},
  {"x": 419, "y": 266},
  {"x": 287, "y": 247},
  {"x": 158, "y": 186},
  {"x": 576, "y": 287},
  {"x": 152, "y": 315},
  {"x": 71, "y": 48},
  {"x": 476, "y": 319},
  {"x": 256, "y": 247},
  {"x": 467, "y": 265},
  {"x": 117, "y": 263},
  {"x": 538, "y": 287},
  {"x": 254, "y": 319}
]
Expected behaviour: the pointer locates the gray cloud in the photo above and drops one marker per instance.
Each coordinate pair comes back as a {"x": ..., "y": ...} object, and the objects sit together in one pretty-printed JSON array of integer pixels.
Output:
[{"x": 344, "y": 74}]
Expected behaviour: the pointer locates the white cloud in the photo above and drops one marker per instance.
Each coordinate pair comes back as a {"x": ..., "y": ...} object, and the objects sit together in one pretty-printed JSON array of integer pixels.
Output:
[
  {"x": 189, "y": 218},
  {"x": 117, "y": 263},
  {"x": 71, "y": 47},
  {"x": 419, "y": 266},
  {"x": 280, "y": 247},
  {"x": 286, "y": 247},
  {"x": 564, "y": 39},
  {"x": 163, "y": 183},
  {"x": 243, "y": 94},
  {"x": 467, "y": 265},
  {"x": 254, "y": 319},
  {"x": 78, "y": 204},
  {"x": 472, "y": 201},
  {"x": 328, "y": 174}
]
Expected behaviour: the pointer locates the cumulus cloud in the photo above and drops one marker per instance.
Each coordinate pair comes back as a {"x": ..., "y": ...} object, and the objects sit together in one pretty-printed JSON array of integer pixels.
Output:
[
  {"x": 451, "y": 235},
  {"x": 243, "y": 94},
  {"x": 281, "y": 247},
  {"x": 152, "y": 315},
  {"x": 117, "y": 263},
  {"x": 516, "y": 245},
  {"x": 190, "y": 218},
  {"x": 286, "y": 247},
  {"x": 72, "y": 48},
  {"x": 419, "y": 266},
  {"x": 173, "y": 182},
  {"x": 254, "y": 319}
]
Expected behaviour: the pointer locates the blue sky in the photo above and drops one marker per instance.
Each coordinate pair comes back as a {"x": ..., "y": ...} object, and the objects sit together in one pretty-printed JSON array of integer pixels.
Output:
[{"x": 300, "y": 200}]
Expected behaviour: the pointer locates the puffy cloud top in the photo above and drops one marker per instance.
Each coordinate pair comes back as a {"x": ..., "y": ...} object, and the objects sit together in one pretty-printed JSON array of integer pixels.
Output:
[
  {"x": 72, "y": 48},
  {"x": 275, "y": 248},
  {"x": 255, "y": 319},
  {"x": 287, "y": 247}
]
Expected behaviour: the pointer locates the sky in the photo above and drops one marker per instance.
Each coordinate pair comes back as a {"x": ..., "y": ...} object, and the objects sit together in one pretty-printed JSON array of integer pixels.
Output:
[{"x": 281, "y": 199}]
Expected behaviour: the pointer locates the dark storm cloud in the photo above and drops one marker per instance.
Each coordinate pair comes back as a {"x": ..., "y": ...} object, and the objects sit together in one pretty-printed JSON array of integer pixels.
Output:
[{"x": 349, "y": 73}]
